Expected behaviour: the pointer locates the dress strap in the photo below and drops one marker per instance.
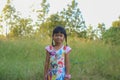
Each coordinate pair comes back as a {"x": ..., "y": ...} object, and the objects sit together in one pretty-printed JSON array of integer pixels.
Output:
[
  {"x": 67, "y": 49},
  {"x": 50, "y": 47}
]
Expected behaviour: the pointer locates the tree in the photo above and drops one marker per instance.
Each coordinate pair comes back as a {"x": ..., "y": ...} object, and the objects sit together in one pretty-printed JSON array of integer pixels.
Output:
[
  {"x": 8, "y": 16},
  {"x": 73, "y": 17},
  {"x": 90, "y": 33},
  {"x": 112, "y": 35},
  {"x": 42, "y": 12},
  {"x": 100, "y": 30},
  {"x": 51, "y": 22},
  {"x": 116, "y": 23},
  {"x": 23, "y": 28},
  {"x": 1, "y": 25},
  {"x": 55, "y": 20}
]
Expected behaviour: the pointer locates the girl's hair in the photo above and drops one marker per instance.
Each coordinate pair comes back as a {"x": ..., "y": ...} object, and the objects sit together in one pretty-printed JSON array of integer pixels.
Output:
[{"x": 59, "y": 29}]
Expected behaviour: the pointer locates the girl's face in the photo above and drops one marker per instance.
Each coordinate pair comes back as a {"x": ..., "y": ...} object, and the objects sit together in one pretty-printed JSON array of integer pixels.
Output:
[{"x": 58, "y": 38}]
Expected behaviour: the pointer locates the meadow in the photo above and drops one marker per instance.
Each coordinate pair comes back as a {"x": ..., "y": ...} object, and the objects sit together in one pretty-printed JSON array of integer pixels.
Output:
[{"x": 23, "y": 59}]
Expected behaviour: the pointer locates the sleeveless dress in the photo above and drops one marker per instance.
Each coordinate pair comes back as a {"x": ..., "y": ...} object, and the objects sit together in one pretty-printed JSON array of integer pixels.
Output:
[{"x": 57, "y": 65}]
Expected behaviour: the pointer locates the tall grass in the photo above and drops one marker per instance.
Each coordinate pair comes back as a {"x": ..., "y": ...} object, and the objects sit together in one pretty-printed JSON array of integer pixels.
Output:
[
  {"x": 21, "y": 60},
  {"x": 24, "y": 60}
]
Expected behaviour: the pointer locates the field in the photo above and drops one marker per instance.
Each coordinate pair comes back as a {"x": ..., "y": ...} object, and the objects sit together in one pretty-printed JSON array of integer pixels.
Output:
[{"x": 90, "y": 60}]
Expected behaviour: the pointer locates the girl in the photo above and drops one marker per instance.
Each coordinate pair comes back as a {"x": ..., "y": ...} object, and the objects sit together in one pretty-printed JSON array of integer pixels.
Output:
[{"x": 57, "y": 57}]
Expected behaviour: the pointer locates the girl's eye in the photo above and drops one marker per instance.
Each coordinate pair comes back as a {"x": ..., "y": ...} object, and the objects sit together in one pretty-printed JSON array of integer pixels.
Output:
[{"x": 60, "y": 35}]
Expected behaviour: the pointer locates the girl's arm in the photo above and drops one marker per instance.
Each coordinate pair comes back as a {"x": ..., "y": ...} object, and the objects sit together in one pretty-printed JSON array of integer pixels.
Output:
[
  {"x": 67, "y": 65},
  {"x": 46, "y": 66}
]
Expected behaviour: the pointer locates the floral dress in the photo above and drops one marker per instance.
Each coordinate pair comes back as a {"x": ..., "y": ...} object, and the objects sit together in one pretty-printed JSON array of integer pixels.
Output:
[{"x": 57, "y": 65}]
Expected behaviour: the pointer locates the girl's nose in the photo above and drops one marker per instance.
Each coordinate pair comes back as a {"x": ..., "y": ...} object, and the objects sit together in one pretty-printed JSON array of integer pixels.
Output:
[{"x": 58, "y": 37}]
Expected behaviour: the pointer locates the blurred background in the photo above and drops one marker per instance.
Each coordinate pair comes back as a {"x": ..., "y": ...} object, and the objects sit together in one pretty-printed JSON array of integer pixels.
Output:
[{"x": 93, "y": 29}]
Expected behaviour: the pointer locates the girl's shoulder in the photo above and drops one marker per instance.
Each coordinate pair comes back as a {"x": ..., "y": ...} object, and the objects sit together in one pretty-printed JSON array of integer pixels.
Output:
[
  {"x": 49, "y": 48},
  {"x": 67, "y": 49}
]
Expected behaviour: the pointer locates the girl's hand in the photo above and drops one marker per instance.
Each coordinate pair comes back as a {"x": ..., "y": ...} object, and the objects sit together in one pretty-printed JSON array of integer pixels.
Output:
[{"x": 45, "y": 78}]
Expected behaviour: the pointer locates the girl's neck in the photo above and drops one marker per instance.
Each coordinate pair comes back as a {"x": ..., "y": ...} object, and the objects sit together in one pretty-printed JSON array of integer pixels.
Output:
[{"x": 58, "y": 46}]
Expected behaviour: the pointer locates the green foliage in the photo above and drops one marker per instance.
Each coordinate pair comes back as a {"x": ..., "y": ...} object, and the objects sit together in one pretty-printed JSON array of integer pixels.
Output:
[
  {"x": 55, "y": 20},
  {"x": 8, "y": 15},
  {"x": 94, "y": 61},
  {"x": 116, "y": 23},
  {"x": 73, "y": 17},
  {"x": 45, "y": 29},
  {"x": 21, "y": 60},
  {"x": 101, "y": 29},
  {"x": 1, "y": 29},
  {"x": 93, "y": 33},
  {"x": 42, "y": 12},
  {"x": 82, "y": 34},
  {"x": 70, "y": 18},
  {"x": 112, "y": 35},
  {"x": 24, "y": 60},
  {"x": 90, "y": 32},
  {"x": 22, "y": 28}
]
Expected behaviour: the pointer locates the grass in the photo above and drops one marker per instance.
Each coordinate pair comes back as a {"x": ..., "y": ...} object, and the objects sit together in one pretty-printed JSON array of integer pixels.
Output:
[{"x": 24, "y": 60}]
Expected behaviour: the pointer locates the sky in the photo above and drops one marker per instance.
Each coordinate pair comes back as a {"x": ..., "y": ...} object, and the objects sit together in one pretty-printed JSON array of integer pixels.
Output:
[{"x": 93, "y": 11}]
